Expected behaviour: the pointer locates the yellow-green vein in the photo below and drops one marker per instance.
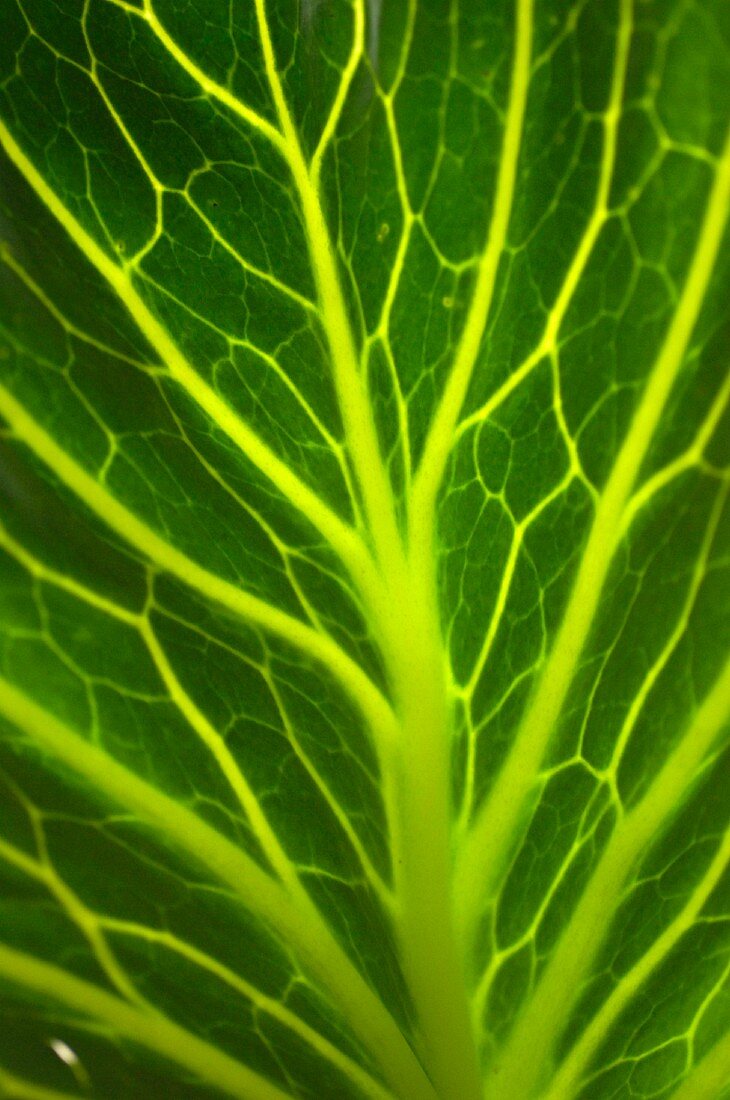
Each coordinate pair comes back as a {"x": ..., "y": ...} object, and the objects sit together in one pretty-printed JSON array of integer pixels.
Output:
[
  {"x": 572, "y": 1069},
  {"x": 263, "y": 1003},
  {"x": 493, "y": 832},
  {"x": 343, "y": 88},
  {"x": 313, "y": 944},
  {"x": 524, "y": 1060},
  {"x": 428, "y": 476},
  {"x": 163, "y": 555},
  {"x": 340, "y": 536},
  {"x": 151, "y": 1031}
]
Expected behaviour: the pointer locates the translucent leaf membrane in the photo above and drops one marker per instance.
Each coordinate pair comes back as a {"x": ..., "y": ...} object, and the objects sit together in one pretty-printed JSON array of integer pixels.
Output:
[{"x": 364, "y": 685}]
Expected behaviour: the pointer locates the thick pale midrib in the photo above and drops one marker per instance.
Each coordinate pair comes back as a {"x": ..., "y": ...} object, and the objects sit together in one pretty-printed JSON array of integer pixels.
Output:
[
  {"x": 360, "y": 432},
  {"x": 154, "y": 1032},
  {"x": 303, "y": 931},
  {"x": 493, "y": 833},
  {"x": 572, "y": 1069},
  {"x": 431, "y": 955},
  {"x": 428, "y": 476},
  {"x": 525, "y": 1057},
  {"x": 710, "y": 1079},
  {"x": 339, "y": 535},
  {"x": 166, "y": 557}
]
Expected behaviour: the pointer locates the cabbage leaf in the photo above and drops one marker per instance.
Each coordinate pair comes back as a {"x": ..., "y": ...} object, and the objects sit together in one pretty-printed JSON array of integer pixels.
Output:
[{"x": 364, "y": 682}]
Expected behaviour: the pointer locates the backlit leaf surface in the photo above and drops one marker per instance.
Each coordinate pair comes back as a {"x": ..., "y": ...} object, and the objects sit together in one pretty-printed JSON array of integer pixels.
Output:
[{"x": 363, "y": 549}]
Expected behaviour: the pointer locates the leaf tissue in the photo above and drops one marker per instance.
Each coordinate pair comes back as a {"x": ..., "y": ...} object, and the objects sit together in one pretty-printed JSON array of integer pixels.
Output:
[{"x": 364, "y": 680}]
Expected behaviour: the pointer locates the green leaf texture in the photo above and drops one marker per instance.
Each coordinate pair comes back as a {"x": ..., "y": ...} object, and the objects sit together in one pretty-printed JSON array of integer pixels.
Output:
[{"x": 364, "y": 549}]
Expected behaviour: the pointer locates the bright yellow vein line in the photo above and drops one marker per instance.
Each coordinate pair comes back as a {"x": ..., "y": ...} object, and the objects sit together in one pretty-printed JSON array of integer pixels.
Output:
[
  {"x": 360, "y": 429},
  {"x": 96, "y": 928},
  {"x": 548, "y": 343},
  {"x": 254, "y": 120},
  {"x": 277, "y": 1009},
  {"x": 45, "y": 872},
  {"x": 253, "y": 610},
  {"x": 349, "y": 383},
  {"x": 152, "y": 1031},
  {"x": 302, "y": 931},
  {"x": 207, "y": 733},
  {"x": 484, "y": 852},
  {"x": 225, "y": 760},
  {"x": 440, "y": 437},
  {"x": 525, "y": 1055},
  {"x": 710, "y": 1079},
  {"x": 340, "y": 536},
  {"x": 566, "y": 1081},
  {"x": 343, "y": 88}
]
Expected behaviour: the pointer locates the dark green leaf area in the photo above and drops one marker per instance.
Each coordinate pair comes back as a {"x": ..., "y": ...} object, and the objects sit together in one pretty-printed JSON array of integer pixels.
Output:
[
  {"x": 685, "y": 677},
  {"x": 563, "y": 818},
  {"x": 328, "y": 738},
  {"x": 168, "y": 487},
  {"x": 107, "y": 1066},
  {"x": 693, "y": 98},
  {"x": 511, "y": 983},
  {"x": 145, "y": 892},
  {"x": 383, "y": 387},
  {"x": 567, "y": 163},
  {"x": 655, "y": 1074},
  {"x": 465, "y": 171},
  {"x": 420, "y": 98},
  {"x": 37, "y": 537},
  {"x": 426, "y": 319},
  {"x": 540, "y": 585},
  {"x": 677, "y": 870},
  {"x": 176, "y": 130},
  {"x": 63, "y": 120},
  {"x": 651, "y": 597},
  {"x": 191, "y": 267},
  {"x": 472, "y": 581},
  {"x": 216, "y": 1006},
  {"x": 312, "y": 43},
  {"x": 360, "y": 926},
  {"x": 238, "y": 475},
  {"x": 655, "y": 1033},
  {"x": 538, "y": 458},
  {"x": 595, "y": 828},
  {"x": 252, "y": 215},
  {"x": 224, "y": 44},
  {"x": 32, "y": 921},
  {"x": 676, "y": 192},
  {"x": 98, "y": 675},
  {"x": 512, "y": 335},
  {"x": 67, "y": 289},
  {"x": 364, "y": 191}
]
